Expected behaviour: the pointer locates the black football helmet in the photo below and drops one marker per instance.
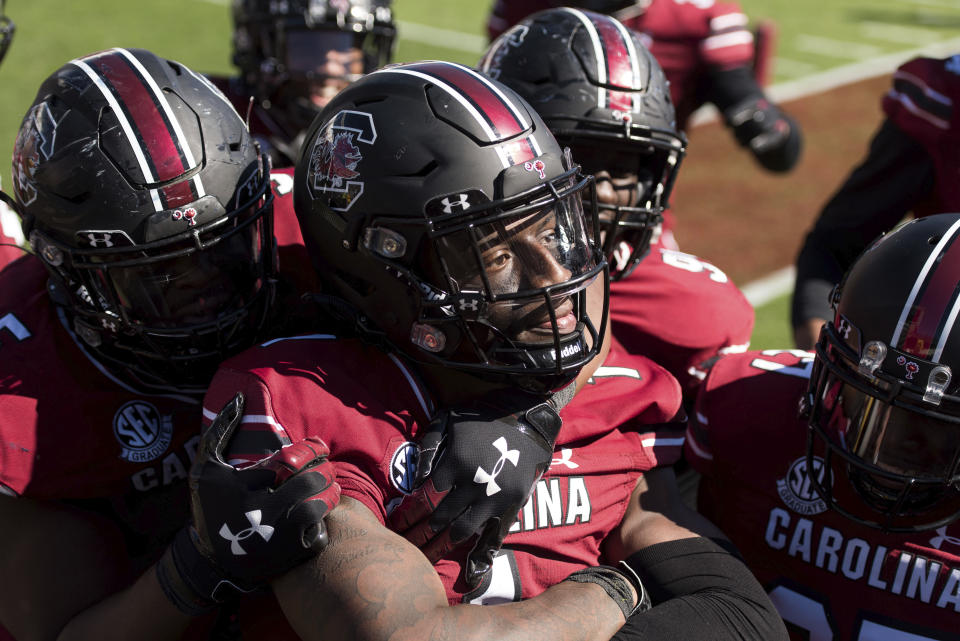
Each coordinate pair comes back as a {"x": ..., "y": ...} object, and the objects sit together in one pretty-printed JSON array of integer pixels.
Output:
[
  {"x": 602, "y": 94},
  {"x": 438, "y": 204},
  {"x": 280, "y": 48},
  {"x": 883, "y": 405},
  {"x": 147, "y": 200}
]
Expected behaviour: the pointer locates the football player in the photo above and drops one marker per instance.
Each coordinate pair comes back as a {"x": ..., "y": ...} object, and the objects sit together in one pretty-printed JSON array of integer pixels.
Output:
[
  {"x": 603, "y": 95},
  {"x": 294, "y": 56},
  {"x": 707, "y": 53},
  {"x": 149, "y": 208},
  {"x": 909, "y": 169},
  {"x": 848, "y": 511},
  {"x": 446, "y": 225}
]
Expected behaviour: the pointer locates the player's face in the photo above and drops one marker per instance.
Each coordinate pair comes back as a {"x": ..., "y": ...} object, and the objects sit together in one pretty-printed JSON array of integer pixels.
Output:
[
  {"x": 527, "y": 256},
  {"x": 522, "y": 262},
  {"x": 322, "y": 63},
  {"x": 616, "y": 175},
  {"x": 189, "y": 289}
]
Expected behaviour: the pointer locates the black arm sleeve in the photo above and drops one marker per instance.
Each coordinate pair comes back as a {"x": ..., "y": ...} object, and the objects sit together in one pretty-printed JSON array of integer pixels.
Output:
[
  {"x": 774, "y": 138},
  {"x": 896, "y": 174},
  {"x": 700, "y": 590}
]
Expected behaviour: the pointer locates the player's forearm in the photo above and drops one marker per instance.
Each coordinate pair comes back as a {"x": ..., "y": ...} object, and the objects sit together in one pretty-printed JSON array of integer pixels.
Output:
[
  {"x": 140, "y": 611},
  {"x": 372, "y": 585},
  {"x": 55, "y": 591},
  {"x": 896, "y": 174},
  {"x": 700, "y": 590}
]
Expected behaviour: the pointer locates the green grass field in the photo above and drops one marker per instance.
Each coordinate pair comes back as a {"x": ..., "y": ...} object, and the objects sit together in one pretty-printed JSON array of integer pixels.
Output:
[{"x": 814, "y": 35}]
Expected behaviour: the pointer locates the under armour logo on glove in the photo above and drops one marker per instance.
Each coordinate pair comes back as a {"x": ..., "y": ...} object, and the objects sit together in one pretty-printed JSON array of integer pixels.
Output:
[
  {"x": 490, "y": 478},
  {"x": 253, "y": 516},
  {"x": 293, "y": 490},
  {"x": 465, "y": 491}
]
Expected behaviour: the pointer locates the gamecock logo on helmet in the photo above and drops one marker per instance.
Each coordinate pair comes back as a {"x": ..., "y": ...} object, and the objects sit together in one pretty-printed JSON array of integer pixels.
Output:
[
  {"x": 34, "y": 145},
  {"x": 336, "y": 161},
  {"x": 336, "y": 156}
]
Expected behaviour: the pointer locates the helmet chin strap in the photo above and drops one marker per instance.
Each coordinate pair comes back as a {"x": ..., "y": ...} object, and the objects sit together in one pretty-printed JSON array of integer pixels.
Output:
[{"x": 561, "y": 397}]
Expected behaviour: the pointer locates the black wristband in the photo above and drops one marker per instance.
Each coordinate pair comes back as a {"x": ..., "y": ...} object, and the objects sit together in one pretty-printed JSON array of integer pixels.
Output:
[
  {"x": 175, "y": 587},
  {"x": 190, "y": 580},
  {"x": 615, "y": 583}
]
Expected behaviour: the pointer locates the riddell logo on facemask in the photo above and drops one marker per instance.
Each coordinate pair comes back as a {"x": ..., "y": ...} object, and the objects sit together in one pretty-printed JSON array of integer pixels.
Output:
[{"x": 571, "y": 350}]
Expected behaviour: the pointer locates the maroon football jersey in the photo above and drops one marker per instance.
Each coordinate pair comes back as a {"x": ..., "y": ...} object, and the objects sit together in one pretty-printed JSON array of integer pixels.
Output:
[
  {"x": 72, "y": 430},
  {"x": 295, "y": 266},
  {"x": 685, "y": 36},
  {"x": 680, "y": 311},
  {"x": 370, "y": 409},
  {"x": 829, "y": 577},
  {"x": 921, "y": 104}
]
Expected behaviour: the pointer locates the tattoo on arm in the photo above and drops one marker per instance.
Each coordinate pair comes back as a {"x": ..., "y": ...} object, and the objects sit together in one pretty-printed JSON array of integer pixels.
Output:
[{"x": 371, "y": 584}]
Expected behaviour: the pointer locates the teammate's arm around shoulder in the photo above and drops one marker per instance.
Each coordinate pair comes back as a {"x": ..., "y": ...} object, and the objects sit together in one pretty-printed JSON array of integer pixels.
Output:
[
  {"x": 699, "y": 587},
  {"x": 371, "y": 584}
]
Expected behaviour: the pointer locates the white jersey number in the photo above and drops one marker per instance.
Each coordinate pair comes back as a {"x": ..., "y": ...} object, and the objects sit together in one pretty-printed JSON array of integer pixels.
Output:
[
  {"x": 13, "y": 325},
  {"x": 692, "y": 264}
]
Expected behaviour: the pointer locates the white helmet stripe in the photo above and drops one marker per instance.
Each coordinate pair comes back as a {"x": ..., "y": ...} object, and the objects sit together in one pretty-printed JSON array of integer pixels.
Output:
[
  {"x": 918, "y": 285},
  {"x": 182, "y": 141},
  {"x": 148, "y": 176},
  {"x": 598, "y": 54}
]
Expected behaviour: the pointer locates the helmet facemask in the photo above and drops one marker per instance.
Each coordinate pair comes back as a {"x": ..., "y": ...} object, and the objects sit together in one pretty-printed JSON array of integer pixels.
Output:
[
  {"x": 640, "y": 168},
  {"x": 296, "y": 61},
  {"x": 896, "y": 439},
  {"x": 501, "y": 292},
  {"x": 171, "y": 310}
]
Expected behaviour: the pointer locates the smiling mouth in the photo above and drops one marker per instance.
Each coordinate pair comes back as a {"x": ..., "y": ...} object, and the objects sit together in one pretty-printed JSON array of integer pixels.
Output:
[{"x": 566, "y": 320}]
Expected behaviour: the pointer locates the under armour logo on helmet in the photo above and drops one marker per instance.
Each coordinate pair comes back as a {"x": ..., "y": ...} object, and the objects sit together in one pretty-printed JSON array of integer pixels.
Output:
[
  {"x": 490, "y": 478},
  {"x": 462, "y": 204},
  {"x": 942, "y": 538},
  {"x": 536, "y": 165},
  {"x": 911, "y": 367},
  {"x": 189, "y": 215},
  {"x": 844, "y": 328},
  {"x": 472, "y": 305},
  {"x": 565, "y": 455},
  {"x": 253, "y": 516},
  {"x": 101, "y": 239}
]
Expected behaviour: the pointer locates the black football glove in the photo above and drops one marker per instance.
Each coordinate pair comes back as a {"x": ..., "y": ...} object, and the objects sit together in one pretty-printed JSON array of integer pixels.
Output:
[
  {"x": 249, "y": 524},
  {"x": 475, "y": 471}
]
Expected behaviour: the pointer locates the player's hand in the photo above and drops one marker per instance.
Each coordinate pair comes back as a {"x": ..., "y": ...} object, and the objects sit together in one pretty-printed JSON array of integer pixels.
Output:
[
  {"x": 476, "y": 469},
  {"x": 255, "y": 523}
]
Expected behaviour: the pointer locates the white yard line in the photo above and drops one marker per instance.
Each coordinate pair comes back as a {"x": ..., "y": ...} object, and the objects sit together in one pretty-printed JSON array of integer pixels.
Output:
[
  {"x": 770, "y": 287},
  {"x": 446, "y": 38},
  {"x": 845, "y": 49},
  {"x": 896, "y": 33}
]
